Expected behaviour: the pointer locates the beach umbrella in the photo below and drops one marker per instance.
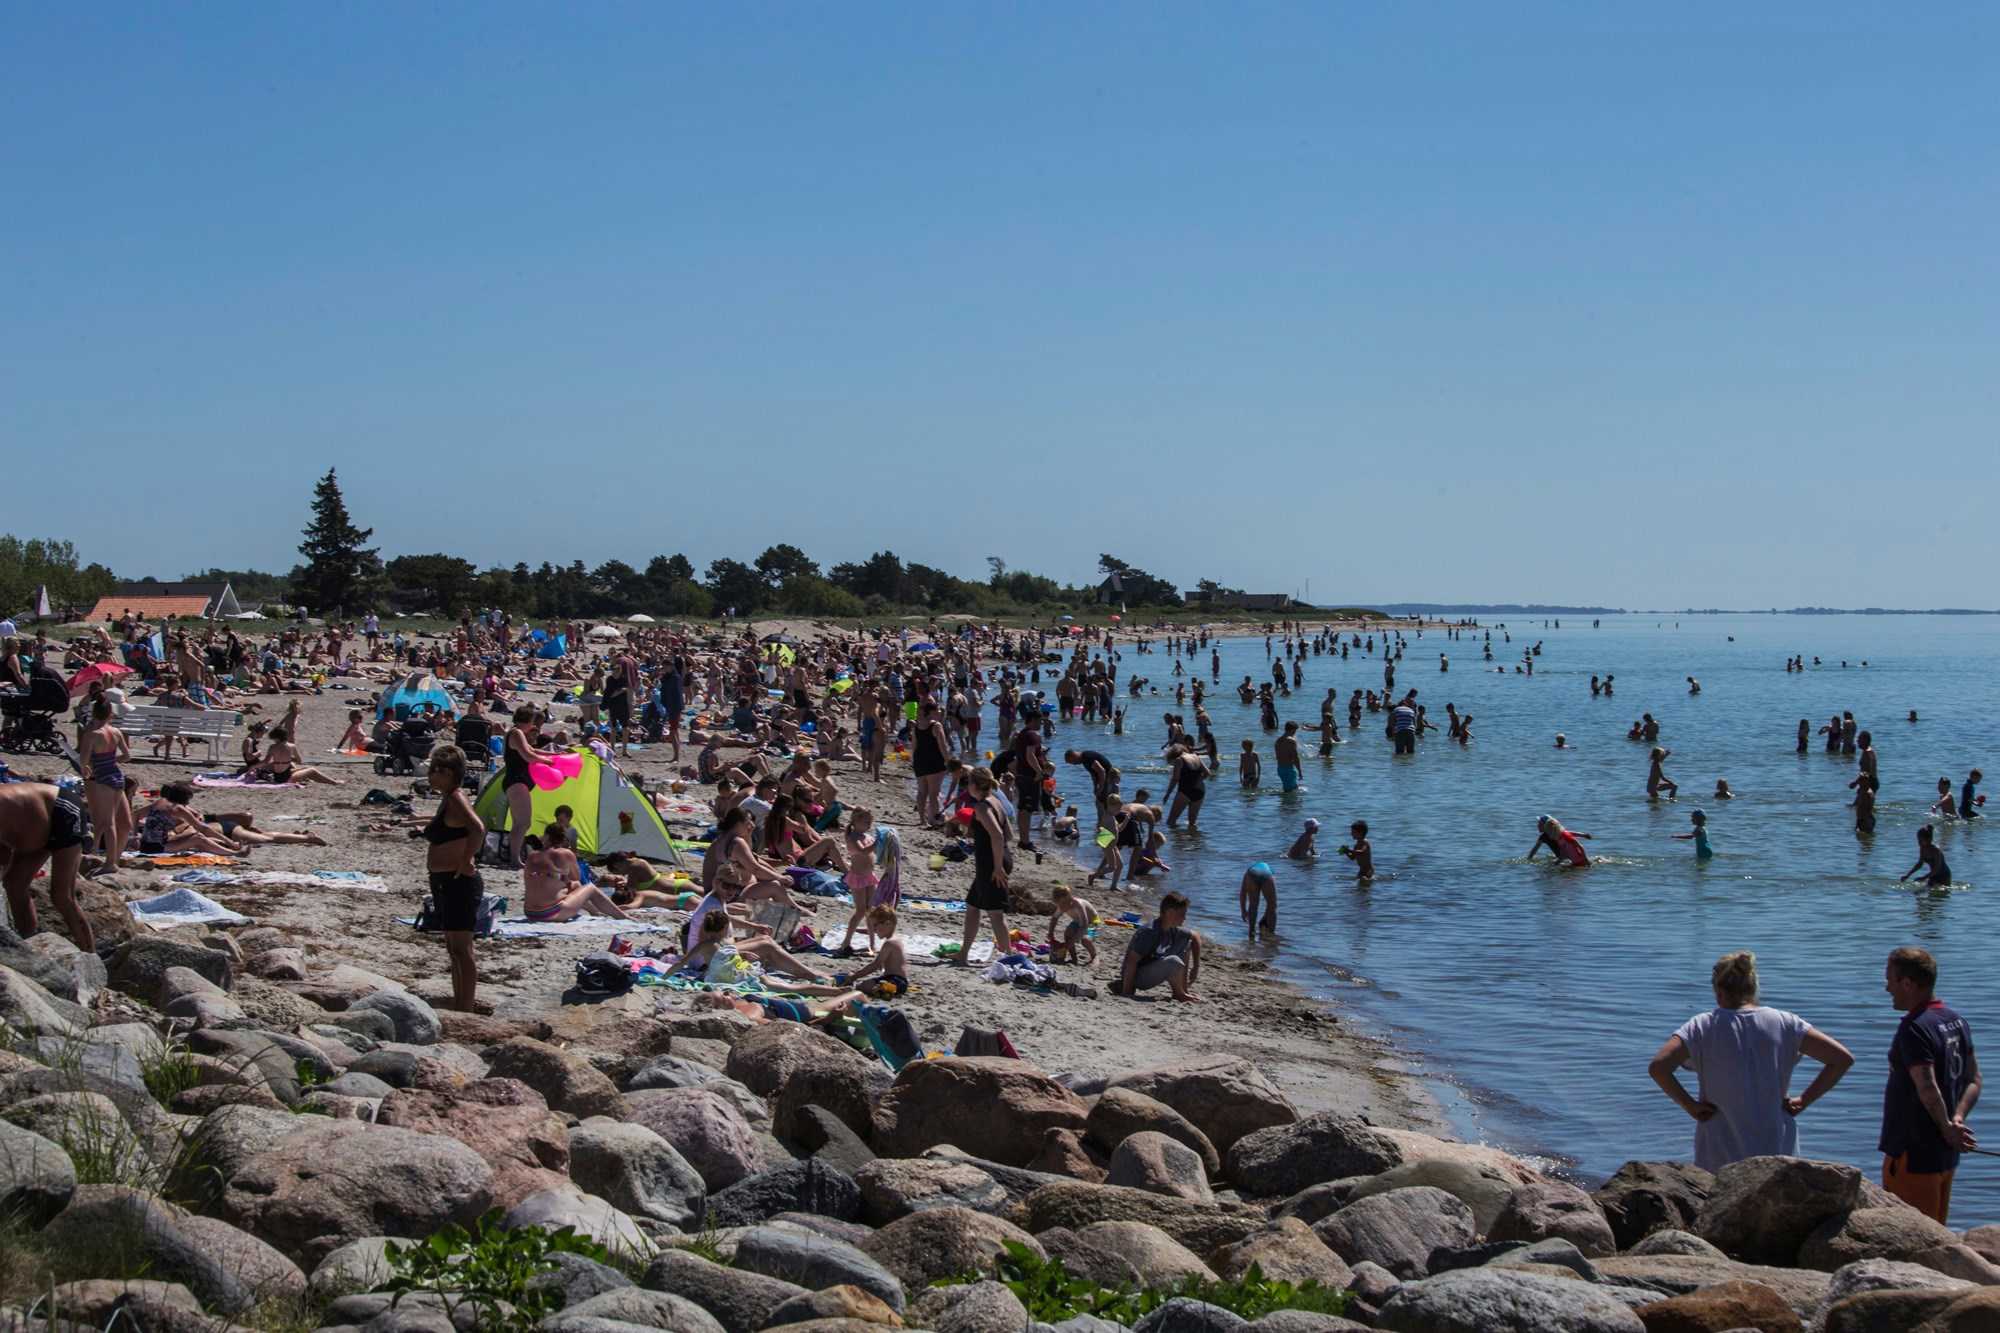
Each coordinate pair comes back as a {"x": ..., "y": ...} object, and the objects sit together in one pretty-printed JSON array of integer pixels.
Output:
[
  {"x": 605, "y": 632},
  {"x": 785, "y": 639},
  {"x": 925, "y": 647},
  {"x": 80, "y": 682},
  {"x": 641, "y": 619}
]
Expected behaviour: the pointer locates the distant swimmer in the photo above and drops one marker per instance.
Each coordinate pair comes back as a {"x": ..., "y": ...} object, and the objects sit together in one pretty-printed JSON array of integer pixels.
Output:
[
  {"x": 1562, "y": 741},
  {"x": 1563, "y": 842},
  {"x": 1694, "y": 686},
  {"x": 1929, "y": 859},
  {"x": 1913, "y": 715},
  {"x": 1722, "y": 792},
  {"x": 1702, "y": 851},
  {"x": 1656, "y": 776},
  {"x": 1360, "y": 851}
]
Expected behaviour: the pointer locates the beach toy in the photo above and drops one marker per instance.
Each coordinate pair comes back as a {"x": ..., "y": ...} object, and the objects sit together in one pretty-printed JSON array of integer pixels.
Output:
[
  {"x": 556, "y": 771},
  {"x": 937, "y": 861},
  {"x": 1105, "y": 837}
]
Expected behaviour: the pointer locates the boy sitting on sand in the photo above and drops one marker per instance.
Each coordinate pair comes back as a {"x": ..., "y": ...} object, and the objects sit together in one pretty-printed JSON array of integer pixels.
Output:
[
  {"x": 1069, "y": 927},
  {"x": 889, "y": 960},
  {"x": 1065, "y": 828}
]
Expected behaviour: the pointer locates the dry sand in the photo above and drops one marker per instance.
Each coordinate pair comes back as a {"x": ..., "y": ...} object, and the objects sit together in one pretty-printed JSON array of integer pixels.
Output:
[{"x": 1307, "y": 1049}]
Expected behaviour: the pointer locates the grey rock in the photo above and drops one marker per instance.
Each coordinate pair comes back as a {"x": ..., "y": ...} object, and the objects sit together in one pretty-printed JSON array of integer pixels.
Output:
[
  {"x": 1885, "y": 1275},
  {"x": 1554, "y": 1252},
  {"x": 1643, "y": 1197},
  {"x": 1398, "y": 1230},
  {"x": 1120, "y": 1113},
  {"x": 764, "y": 1059},
  {"x": 636, "y": 1305},
  {"x": 1480, "y": 1186},
  {"x": 850, "y": 1233},
  {"x": 741, "y": 1301},
  {"x": 1284, "y": 1159},
  {"x": 807, "y": 1187},
  {"x": 1156, "y": 1257},
  {"x": 1898, "y": 1232},
  {"x": 844, "y": 1090},
  {"x": 1182, "y": 1315},
  {"x": 108, "y": 1228},
  {"x": 139, "y": 967},
  {"x": 1092, "y": 1263},
  {"x": 1555, "y": 1208},
  {"x": 578, "y": 1279},
  {"x": 944, "y": 1243},
  {"x": 1485, "y": 1300},
  {"x": 359, "y": 1265},
  {"x": 1224, "y": 1096},
  {"x": 1668, "y": 1240},
  {"x": 976, "y": 1307},
  {"x": 837, "y": 1303},
  {"x": 398, "y": 1069},
  {"x": 1018, "y": 1181},
  {"x": 223, "y": 1141},
  {"x": 705, "y": 1127},
  {"x": 636, "y": 1170},
  {"x": 1286, "y": 1251},
  {"x": 370, "y": 1023},
  {"x": 1313, "y": 1202},
  {"x": 588, "y": 1215},
  {"x": 257, "y": 1057},
  {"x": 1151, "y": 1161},
  {"x": 893, "y": 1187},
  {"x": 1304, "y": 1321},
  {"x": 815, "y": 1262},
  {"x": 1084, "y": 1323},
  {"x": 113, "y": 1063},
  {"x": 568, "y": 1082},
  {"x": 1764, "y": 1208},
  {"x": 36, "y": 1177},
  {"x": 28, "y": 1007},
  {"x": 671, "y": 1071},
  {"x": 356, "y": 1084},
  {"x": 1679, "y": 1274},
  {"x": 1201, "y": 1227},
  {"x": 1451, "y": 1258},
  {"x": 829, "y": 1139},
  {"x": 415, "y": 1021}
]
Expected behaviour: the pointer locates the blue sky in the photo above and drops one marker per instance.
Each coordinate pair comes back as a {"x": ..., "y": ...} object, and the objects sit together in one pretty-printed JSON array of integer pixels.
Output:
[{"x": 1630, "y": 305}]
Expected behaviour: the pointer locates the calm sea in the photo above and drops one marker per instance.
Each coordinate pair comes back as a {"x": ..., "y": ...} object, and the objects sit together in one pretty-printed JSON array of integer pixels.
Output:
[{"x": 1532, "y": 998}]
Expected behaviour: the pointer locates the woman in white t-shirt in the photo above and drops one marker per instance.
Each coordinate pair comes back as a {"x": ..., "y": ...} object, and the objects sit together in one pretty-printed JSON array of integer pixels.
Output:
[{"x": 1744, "y": 1054}]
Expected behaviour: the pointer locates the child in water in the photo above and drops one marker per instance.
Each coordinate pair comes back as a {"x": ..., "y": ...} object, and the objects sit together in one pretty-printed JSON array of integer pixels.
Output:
[
  {"x": 1722, "y": 792},
  {"x": 1562, "y": 741},
  {"x": 1360, "y": 852},
  {"x": 1250, "y": 768},
  {"x": 1702, "y": 851},
  {"x": 1065, "y": 828},
  {"x": 1303, "y": 849}
]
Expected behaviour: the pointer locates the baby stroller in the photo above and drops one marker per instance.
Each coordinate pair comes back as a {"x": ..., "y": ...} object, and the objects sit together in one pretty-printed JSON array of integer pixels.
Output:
[
  {"x": 408, "y": 747},
  {"x": 28, "y": 721}
]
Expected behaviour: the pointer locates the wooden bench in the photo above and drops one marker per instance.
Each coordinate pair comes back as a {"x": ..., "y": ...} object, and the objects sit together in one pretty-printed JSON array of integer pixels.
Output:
[{"x": 148, "y": 722}]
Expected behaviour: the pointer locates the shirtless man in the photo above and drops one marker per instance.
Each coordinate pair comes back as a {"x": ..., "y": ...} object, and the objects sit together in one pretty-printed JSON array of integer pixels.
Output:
[
  {"x": 1285, "y": 749},
  {"x": 39, "y": 824}
]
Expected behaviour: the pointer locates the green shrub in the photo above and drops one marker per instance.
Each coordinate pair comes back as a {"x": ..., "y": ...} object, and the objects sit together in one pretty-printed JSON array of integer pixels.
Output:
[
  {"x": 486, "y": 1267},
  {"x": 1051, "y": 1293}
]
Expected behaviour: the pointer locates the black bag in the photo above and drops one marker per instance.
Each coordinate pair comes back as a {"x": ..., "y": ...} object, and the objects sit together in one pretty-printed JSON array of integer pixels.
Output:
[{"x": 602, "y": 974}]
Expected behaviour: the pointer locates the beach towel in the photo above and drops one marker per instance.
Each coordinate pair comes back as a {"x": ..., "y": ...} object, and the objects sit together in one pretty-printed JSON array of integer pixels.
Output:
[
  {"x": 166, "y": 860},
  {"x": 927, "y": 946},
  {"x": 582, "y": 928},
  {"x": 317, "y": 879},
  {"x": 182, "y": 907},
  {"x": 234, "y": 783}
]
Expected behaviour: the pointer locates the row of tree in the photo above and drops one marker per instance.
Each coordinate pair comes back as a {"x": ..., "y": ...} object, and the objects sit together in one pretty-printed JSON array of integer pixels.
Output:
[{"x": 341, "y": 573}]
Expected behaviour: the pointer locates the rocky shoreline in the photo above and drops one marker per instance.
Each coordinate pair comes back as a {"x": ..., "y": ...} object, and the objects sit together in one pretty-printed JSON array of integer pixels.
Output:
[{"x": 227, "y": 1128}]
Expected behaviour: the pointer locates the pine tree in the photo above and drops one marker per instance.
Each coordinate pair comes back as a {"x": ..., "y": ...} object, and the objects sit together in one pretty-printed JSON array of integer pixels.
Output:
[{"x": 340, "y": 574}]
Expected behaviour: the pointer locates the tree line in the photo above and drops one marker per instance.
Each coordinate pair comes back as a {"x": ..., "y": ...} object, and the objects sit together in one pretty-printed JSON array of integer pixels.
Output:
[{"x": 339, "y": 572}]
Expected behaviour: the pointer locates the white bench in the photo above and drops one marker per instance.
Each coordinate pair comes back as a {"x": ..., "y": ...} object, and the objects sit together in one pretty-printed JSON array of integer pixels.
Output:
[{"x": 208, "y": 725}]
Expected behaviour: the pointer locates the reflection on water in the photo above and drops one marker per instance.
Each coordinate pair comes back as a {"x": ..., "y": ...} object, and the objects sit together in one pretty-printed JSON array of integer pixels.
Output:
[{"x": 1536, "y": 995}]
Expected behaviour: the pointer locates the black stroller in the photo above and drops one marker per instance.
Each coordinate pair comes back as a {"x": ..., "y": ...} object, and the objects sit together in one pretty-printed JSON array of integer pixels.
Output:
[
  {"x": 28, "y": 721},
  {"x": 409, "y": 747}
]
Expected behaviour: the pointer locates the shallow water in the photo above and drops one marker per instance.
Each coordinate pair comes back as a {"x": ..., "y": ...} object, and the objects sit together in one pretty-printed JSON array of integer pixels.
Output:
[{"x": 1534, "y": 997}]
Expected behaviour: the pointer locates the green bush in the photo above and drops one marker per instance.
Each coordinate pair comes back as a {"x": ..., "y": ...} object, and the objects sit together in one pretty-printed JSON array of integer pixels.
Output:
[
  {"x": 488, "y": 1267},
  {"x": 1051, "y": 1293}
]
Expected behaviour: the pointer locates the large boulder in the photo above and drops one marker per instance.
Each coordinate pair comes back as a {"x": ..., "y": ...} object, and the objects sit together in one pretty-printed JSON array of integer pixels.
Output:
[
  {"x": 801, "y": 1187},
  {"x": 1718, "y": 1309},
  {"x": 1900, "y": 1232},
  {"x": 1285, "y": 1251},
  {"x": 1764, "y": 1208},
  {"x": 1002, "y": 1107},
  {"x": 1490, "y": 1300},
  {"x": 636, "y": 1170},
  {"x": 359, "y": 1265},
  {"x": 671, "y": 1071},
  {"x": 1285, "y": 1158},
  {"x": 140, "y": 965},
  {"x": 102, "y": 902},
  {"x": 1669, "y": 1241},
  {"x": 1482, "y": 1188},
  {"x": 311, "y": 1194},
  {"x": 1224, "y": 1096},
  {"x": 704, "y": 1127},
  {"x": 839, "y": 1088},
  {"x": 1122, "y": 1112},
  {"x": 813, "y": 1261},
  {"x": 112, "y": 1229},
  {"x": 1184, "y": 1314},
  {"x": 1398, "y": 1230},
  {"x": 1158, "y": 1259},
  {"x": 1960, "y": 1261},
  {"x": 973, "y": 1307},
  {"x": 1202, "y": 1227},
  {"x": 838, "y": 1303},
  {"x": 1554, "y": 1208},
  {"x": 1679, "y": 1274},
  {"x": 1887, "y": 1275},
  {"x": 741, "y": 1301},
  {"x": 85, "y": 1126},
  {"x": 1153, "y": 1162},
  {"x": 944, "y": 1243},
  {"x": 1644, "y": 1197},
  {"x": 416, "y": 1022},
  {"x": 1901, "y": 1310},
  {"x": 893, "y": 1187},
  {"x": 502, "y": 1120},
  {"x": 769, "y": 1055},
  {"x": 26, "y": 1006},
  {"x": 36, "y": 1177},
  {"x": 569, "y": 1083},
  {"x": 629, "y": 1308},
  {"x": 53, "y": 963},
  {"x": 587, "y": 1215}
]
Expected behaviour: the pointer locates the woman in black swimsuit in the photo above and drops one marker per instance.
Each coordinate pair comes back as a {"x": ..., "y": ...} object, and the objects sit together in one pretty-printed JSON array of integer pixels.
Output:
[
  {"x": 1190, "y": 788},
  {"x": 454, "y": 834},
  {"x": 929, "y": 750},
  {"x": 516, "y": 755},
  {"x": 988, "y": 894}
]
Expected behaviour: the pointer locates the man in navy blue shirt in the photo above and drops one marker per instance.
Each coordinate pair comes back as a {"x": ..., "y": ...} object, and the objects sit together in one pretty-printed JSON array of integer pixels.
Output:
[{"x": 1933, "y": 1086}]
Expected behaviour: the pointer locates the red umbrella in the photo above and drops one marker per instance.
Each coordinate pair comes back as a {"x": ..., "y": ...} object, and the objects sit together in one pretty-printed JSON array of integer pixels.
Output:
[{"x": 80, "y": 682}]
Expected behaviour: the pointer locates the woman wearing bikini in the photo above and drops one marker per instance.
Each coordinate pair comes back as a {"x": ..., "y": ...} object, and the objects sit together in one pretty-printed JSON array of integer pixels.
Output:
[
  {"x": 454, "y": 836},
  {"x": 104, "y": 782}
]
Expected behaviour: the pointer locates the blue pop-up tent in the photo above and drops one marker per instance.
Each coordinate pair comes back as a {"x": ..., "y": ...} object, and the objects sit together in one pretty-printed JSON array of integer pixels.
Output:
[
  {"x": 555, "y": 646},
  {"x": 410, "y": 694}
]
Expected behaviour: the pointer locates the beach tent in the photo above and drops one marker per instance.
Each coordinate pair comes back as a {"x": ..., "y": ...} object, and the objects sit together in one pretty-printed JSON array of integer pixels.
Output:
[
  {"x": 554, "y": 647},
  {"x": 411, "y": 693},
  {"x": 611, "y": 815}
]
